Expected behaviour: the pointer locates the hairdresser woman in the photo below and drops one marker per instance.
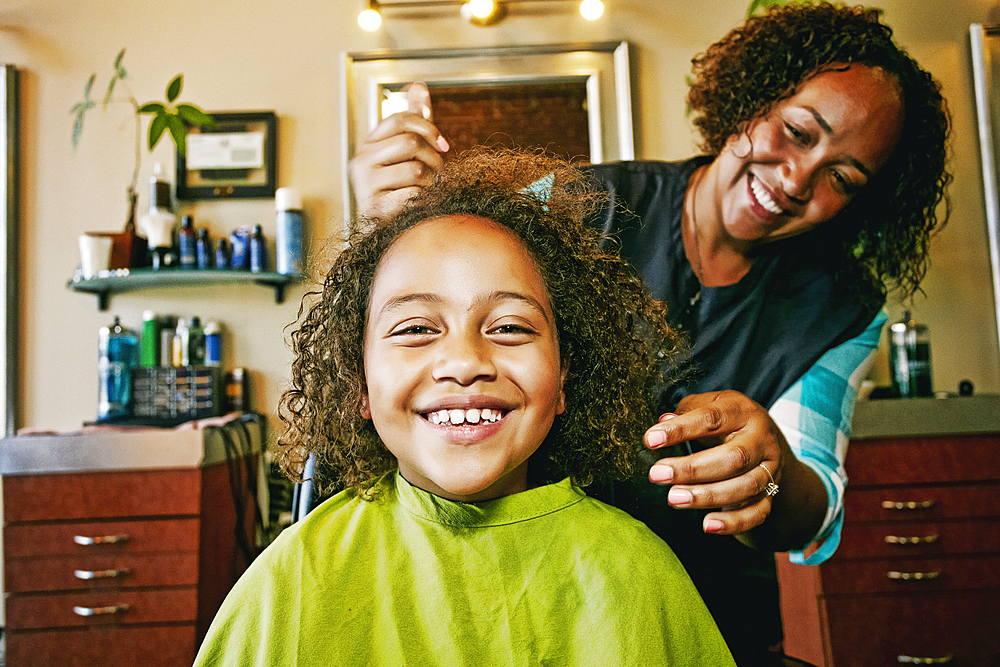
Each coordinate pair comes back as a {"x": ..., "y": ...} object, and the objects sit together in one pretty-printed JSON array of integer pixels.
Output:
[{"x": 824, "y": 167}]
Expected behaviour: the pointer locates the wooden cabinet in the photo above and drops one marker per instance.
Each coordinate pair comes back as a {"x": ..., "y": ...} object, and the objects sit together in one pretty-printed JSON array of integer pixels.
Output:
[
  {"x": 121, "y": 567},
  {"x": 916, "y": 579}
]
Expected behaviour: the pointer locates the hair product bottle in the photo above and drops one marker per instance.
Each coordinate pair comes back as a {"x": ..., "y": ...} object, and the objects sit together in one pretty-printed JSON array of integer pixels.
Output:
[
  {"x": 118, "y": 354},
  {"x": 288, "y": 231},
  {"x": 910, "y": 358},
  {"x": 186, "y": 243}
]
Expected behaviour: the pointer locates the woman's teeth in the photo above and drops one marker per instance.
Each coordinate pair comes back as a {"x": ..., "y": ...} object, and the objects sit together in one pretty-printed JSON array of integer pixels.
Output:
[
  {"x": 471, "y": 416},
  {"x": 763, "y": 198}
]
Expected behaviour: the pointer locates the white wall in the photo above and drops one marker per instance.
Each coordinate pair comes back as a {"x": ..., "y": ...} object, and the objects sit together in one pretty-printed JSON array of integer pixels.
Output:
[{"x": 287, "y": 57}]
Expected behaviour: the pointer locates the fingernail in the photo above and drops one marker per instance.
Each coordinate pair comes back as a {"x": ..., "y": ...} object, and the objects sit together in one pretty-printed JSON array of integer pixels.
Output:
[
  {"x": 655, "y": 438},
  {"x": 661, "y": 473},
  {"x": 713, "y": 525},
  {"x": 442, "y": 144},
  {"x": 425, "y": 111},
  {"x": 666, "y": 417},
  {"x": 679, "y": 496}
]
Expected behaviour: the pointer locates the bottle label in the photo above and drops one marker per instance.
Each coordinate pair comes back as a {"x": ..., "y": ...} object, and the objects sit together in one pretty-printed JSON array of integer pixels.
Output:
[{"x": 189, "y": 251}]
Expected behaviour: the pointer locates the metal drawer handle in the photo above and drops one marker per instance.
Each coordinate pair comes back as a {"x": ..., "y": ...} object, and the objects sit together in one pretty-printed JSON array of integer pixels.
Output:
[
  {"x": 101, "y": 574},
  {"x": 100, "y": 611},
  {"x": 916, "y": 539},
  {"x": 100, "y": 539},
  {"x": 913, "y": 576},
  {"x": 908, "y": 504},
  {"x": 912, "y": 660}
]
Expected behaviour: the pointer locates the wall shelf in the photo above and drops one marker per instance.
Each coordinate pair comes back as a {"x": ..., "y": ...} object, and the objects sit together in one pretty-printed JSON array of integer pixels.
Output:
[{"x": 107, "y": 283}]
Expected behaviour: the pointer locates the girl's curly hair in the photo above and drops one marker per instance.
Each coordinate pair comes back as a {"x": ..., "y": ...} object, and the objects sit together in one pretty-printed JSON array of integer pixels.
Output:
[
  {"x": 887, "y": 227},
  {"x": 613, "y": 336}
]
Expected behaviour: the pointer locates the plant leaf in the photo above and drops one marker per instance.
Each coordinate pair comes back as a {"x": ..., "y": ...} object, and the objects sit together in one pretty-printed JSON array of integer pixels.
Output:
[
  {"x": 178, "y": 131},
  {"x": 111, "y": 89},
  {"x": 174, "y": 87},
  {"x": 78, "y": 126},
  {"x": 118, "y": 59},
  {"x": 194, "y": 116},
  {"x": 152, "y": 107},
  {"x": 156, "y": 127},
  {"x": 90, "y": 84}
]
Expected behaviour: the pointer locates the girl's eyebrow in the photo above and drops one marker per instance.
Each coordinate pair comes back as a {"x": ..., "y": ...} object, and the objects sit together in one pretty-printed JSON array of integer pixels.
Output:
[
  {"x": 503, "y": 295},
  {"x": 429, "y": 297}
]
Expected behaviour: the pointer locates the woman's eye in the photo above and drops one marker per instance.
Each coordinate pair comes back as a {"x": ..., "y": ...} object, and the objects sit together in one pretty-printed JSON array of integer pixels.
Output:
[
  {"x": 795, "y": 133},
  {"x": 845, "y": 184}
]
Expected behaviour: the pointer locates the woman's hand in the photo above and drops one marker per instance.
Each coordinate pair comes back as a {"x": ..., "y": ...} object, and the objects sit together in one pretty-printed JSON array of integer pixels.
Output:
[
  {"x": 727, "y": 476},
  {"x": 400, "y": 156}
]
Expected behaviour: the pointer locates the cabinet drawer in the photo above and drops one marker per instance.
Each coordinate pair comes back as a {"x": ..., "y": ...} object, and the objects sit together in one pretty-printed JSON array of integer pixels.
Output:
[
  {"x": 872, "y": 631},
  {"x": 98, "y": 495},
  {"x": 104, "y": 537},
  {"x": 917, "y": 459},
  {"x": 919, "y": 538},
  {"x": 910, "y": 575},
  {"x": 921, "y": 502},
  {"x": 66, "y": 573},
  {"x": 145, "y": 606},
  {"x": 149, "y": 646}
]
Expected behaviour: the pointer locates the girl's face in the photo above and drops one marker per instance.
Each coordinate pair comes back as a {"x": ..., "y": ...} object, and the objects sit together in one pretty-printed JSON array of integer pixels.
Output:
[
  {"x": 800, "y": 165},
  {"x": 461, "y": 358}
]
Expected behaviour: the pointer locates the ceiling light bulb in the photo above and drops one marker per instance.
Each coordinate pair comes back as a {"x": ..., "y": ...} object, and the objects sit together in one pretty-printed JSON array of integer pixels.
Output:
[
  {"x": 591, "y": 9},
  {"x": 370, "y": 19},
  {"x": 481, "y": 9}
]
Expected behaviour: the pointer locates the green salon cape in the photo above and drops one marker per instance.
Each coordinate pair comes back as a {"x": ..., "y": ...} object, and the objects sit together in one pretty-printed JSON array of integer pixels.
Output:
[{"x": 544, "y": 577}]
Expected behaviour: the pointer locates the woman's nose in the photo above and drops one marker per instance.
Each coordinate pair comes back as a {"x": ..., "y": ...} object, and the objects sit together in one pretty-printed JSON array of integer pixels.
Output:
[
  {"x": 797, "y": 175},
  {"x": 463, "y": 359}
]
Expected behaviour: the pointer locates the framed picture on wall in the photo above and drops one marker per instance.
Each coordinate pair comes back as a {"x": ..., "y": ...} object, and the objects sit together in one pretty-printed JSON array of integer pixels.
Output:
[
  {"x": 572, "y": 100},
  {"x": 235, "y": 159}
]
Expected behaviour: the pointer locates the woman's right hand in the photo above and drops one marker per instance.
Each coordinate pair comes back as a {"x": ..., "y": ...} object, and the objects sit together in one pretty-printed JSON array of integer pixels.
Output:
[{"x": 400, "y": 156}]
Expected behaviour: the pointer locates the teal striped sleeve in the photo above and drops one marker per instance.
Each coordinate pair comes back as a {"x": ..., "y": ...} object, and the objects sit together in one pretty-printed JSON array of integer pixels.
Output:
[{"x": 815, "y": 417}]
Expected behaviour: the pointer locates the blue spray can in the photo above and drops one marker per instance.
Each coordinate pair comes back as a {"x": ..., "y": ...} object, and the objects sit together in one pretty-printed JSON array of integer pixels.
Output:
[{"x": 288, "y": 231}]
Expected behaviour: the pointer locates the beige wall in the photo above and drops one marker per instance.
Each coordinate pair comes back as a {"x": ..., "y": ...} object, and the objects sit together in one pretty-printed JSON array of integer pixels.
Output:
[{"x": 287, "y": 56}]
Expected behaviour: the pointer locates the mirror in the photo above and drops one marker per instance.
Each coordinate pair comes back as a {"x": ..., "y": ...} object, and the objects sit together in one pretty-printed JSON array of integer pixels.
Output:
[
  {"x": 8, "y": 242},
  {"x": 592, "y": 79}
]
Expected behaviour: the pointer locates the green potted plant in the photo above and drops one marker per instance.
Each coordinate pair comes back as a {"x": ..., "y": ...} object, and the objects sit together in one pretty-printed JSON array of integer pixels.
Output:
[{"x": 167, "y": 116}]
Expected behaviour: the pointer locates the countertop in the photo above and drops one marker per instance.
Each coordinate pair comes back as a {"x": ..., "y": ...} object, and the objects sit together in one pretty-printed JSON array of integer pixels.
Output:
[
  {"x": 131, "y": 449},
  {"x": 927, "y": 416}
]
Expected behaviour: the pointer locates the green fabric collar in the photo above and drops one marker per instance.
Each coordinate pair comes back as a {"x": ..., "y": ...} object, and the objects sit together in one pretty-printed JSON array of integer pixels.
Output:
[{"x": 502, "y": 511}]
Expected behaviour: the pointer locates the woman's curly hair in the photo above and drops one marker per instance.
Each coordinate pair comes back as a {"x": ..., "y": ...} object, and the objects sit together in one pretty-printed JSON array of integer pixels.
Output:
[
  {"x": 612, "y": 335},
  {"x": 887, "y": 227}
]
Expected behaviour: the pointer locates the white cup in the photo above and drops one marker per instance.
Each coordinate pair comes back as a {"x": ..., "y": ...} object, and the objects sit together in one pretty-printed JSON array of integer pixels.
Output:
[{"x": 95, "y": 254}]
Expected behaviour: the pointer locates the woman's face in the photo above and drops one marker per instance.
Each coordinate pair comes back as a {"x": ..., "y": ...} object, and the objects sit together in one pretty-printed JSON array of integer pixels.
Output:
[
  {"x": 800, "y": 164},
  {"x": 461, "y": 358}
]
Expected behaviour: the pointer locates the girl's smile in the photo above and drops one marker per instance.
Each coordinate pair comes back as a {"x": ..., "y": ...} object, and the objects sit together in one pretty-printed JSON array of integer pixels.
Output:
[{"x": 461, "y": 358}]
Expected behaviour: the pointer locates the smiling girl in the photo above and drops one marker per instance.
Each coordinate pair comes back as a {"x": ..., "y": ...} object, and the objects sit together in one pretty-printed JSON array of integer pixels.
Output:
[{"x": 469, "y": 365}]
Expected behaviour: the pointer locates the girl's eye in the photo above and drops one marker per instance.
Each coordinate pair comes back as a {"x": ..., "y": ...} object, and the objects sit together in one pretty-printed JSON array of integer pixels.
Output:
[
  {"x": 412, "y": 330},
  {"x": 509, "y": 329}
]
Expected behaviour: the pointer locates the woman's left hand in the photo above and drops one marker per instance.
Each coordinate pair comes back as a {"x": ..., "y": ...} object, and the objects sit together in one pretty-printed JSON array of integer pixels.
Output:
[{"x": 727, "y": 475}]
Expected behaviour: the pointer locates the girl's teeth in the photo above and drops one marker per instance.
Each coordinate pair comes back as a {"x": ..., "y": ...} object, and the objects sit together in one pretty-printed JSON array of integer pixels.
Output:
[
  {"x": 458, "y": 417},
  {"x": 763, "y": 198}
]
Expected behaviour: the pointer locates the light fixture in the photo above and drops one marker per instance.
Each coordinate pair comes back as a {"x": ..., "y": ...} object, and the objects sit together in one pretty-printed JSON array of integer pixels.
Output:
[
  {"x": 476, "y": 12},
  {"x": 483, "y": 12},
  {"x": 370, "y": 19},
  {"x": 591, "y": 9}
]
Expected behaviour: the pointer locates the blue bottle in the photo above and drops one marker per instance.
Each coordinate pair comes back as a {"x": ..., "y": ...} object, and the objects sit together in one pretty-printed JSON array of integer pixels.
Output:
[
  {"x": 187, "y": 244},
  {"x": 258, "y": 250},
  {"x": 204, "y": 249},
  {"x": 288, "y": 232},
  {"x": 221, "y": 254},
  {"x": 118, "y": 354}
]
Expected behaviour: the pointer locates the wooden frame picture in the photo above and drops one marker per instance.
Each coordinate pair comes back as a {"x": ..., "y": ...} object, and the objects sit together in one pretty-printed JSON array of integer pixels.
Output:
[{"x": 236, "y": 159}]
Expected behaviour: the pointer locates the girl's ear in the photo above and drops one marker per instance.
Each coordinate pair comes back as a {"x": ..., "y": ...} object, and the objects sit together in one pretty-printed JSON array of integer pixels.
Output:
[{"x": 366, "y": 412}]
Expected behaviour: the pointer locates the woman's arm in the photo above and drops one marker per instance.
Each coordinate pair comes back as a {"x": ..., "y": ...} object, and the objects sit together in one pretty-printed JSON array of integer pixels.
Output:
[
  {"x": 728, "y": 475},
  {"x": 815, "y": 417}
]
